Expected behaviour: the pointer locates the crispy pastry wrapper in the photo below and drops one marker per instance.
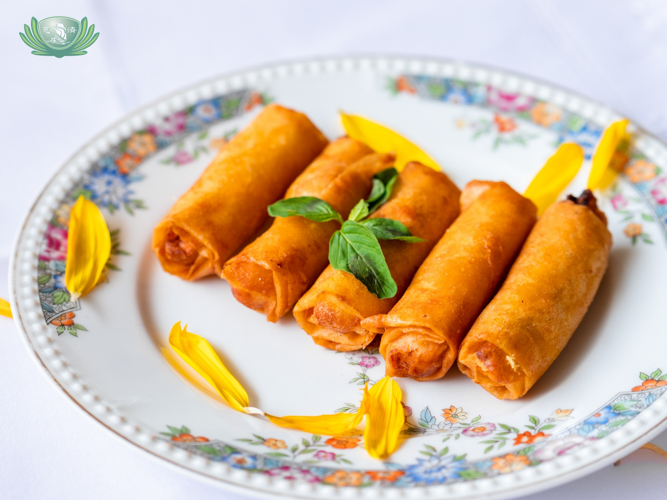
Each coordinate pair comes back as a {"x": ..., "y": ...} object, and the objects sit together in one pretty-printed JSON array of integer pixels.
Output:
[
  {"x": 422, "y": 333},
  {"x": 227, "y": 205},
  {"x": 274, "y": 271},
  {"x": 331, "y": 312},
  {"x": 544, "y": 298}
]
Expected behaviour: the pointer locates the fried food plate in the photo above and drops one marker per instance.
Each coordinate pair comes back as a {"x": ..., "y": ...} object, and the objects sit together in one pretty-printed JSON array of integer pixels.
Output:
[{"x": 600, "y": 400}]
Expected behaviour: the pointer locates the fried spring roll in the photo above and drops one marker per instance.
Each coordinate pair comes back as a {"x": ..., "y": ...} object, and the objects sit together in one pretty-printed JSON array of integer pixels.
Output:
[
  {"x": 331, "y": 312},
  {"x": 274, "y": 271},
  {"x": 422, "y": 333},
  {"x": 544, "y": 298},
  {"x": 228, "y": 203}
]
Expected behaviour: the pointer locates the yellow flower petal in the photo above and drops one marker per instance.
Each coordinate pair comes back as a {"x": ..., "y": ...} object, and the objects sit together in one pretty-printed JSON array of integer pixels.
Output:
[
  {"x": 198, "y": 353},
  {"x": 385, "y": 418},
  {"x": 601, "y": 175},
  {"x": 88, "y": 248},
  {"x": 5, "y": 310},
  {"x": 330, "y": 425},
  {"x": 185, "y": 372},
  {"x": 381, "y": 405},
  {"x": 384, "y": 140},
  {"x": 650, "y": 447},
  {"x": 556, "y": 174}
]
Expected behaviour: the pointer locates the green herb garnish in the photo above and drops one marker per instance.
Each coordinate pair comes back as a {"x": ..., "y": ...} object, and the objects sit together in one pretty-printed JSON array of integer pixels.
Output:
[
  {"x": 355, "y": 248},
  {"x": 383, "y": 185},
  {"x": 306, "y": 206},
  {"x": 389, "y": 229}
]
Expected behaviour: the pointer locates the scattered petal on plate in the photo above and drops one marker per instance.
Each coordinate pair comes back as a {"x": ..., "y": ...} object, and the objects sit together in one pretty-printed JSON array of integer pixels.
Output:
[
  {"x": 381, "y": 405},
  {"x": 647, "y": 446},
  {"x": 385, "y": 418},
  {"x": 198, "y": 353},
  {"x": 655, "y": 449},
  {"x": 555, "y": 175},
  {"x": 88, "y": 248},
  {"x": 188, "y": 374},
  {"x": 384, "y": 140},
  {"x": 330, "y": 425},
  {"x": 5, "y": 310},
  {"x": 601, "y": 175}
]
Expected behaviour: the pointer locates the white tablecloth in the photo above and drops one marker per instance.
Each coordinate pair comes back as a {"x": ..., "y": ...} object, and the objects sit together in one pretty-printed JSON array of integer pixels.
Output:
[{"x": 612, "y": 50}]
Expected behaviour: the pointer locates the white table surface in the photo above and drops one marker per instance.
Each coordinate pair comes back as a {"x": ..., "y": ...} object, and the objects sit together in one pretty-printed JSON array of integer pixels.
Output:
[{"x": 612, "y": 50}]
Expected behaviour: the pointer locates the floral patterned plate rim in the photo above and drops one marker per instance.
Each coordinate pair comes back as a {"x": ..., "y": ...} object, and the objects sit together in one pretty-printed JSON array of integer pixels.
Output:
[{"x": 602, "y": 398}]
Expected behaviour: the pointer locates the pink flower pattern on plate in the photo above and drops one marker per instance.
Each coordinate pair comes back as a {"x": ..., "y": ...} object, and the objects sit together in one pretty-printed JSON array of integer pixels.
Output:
[
  {"x": 171, "y": 125},
  {"x": 479, "y": 430},
  {"x": 561, "y": 446},
  {"x": 659, "y": 191},
  {"x": 368, "y": 361},
  {"x": 182, "y": 157},
  {"x": 56, "y": 244},
  {"x": 508, "y": 101},
  {"x": 324, "y": 455},
  {"x": 293, "y": 474},
  {"x": 619, "y": 202}
]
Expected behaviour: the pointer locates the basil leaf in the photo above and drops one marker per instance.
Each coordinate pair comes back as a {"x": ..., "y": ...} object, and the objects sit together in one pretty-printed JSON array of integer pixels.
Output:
[
  {"x": 376, "y": 191},
  {"x": 356, "y": 250},
  {"x": 379, "y": 197},
  {"x": 386, "y": 175},
  {"x": 389, "y": 229},
  {"x": 383, "y": 184},
  {"x": 359, "y": 211},
  {"x": 306, "y": 206}
]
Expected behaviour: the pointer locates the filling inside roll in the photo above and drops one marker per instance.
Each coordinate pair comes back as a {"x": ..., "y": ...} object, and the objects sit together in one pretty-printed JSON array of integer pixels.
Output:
[
  {"x": 587, "y": 199},
  {"x": 413, "y": 354},
  {"x": 180, "y": 251},
  {"x": 335, "y": 324},
  {"x": 495, "y": 370}
]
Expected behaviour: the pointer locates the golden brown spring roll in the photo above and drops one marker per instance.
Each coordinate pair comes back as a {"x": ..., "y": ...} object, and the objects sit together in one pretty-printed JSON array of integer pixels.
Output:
[
  {"x": 422, "y": 333},
  {"x": 275, "y": 270},
  {"x": 544, "y": 298},
  {"x": 228, "y": 203},
  {"x": 331, "y": 312}
]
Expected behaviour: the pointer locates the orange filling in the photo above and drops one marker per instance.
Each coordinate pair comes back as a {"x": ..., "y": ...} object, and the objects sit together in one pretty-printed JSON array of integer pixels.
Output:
[{"x": 179, "y": 251}]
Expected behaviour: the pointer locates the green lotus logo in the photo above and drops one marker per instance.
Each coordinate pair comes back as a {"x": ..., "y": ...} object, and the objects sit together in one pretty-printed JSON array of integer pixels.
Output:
[{"x": 59, "y": 36}]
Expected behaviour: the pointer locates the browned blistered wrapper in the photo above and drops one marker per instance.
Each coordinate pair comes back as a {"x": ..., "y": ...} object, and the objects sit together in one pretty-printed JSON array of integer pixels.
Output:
[
  {"x": 228, "y": 203},
  {"x": 423, "y": 331},
  {"x": 332, "y": 311},
  {"x": 544, "y": 298},
  {"x": 274, "y": 271}
]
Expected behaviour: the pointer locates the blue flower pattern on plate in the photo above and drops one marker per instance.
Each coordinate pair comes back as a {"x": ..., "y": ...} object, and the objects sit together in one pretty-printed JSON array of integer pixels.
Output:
[{"x": 435, "y": 470}]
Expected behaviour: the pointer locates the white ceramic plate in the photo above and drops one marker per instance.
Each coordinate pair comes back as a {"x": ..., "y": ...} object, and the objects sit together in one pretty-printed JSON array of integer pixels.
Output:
[{"x": 600, "y": 400}]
